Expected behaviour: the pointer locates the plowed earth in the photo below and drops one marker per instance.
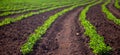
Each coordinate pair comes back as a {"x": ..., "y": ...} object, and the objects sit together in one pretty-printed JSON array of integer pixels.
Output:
[
  {"x": 64, "y": 37},
  {"x": 115, "y": 11},
  {"x": 106, "y": 28},
  {"x": 12, "y": 36}
]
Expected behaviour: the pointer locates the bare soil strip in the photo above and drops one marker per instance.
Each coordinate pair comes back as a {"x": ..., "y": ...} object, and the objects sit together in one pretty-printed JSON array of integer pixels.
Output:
[
  {"x": 106, "y": 28},
  {"x": 114, "y": 10},
  {"x": 65, "y": 37},
  {"x": 12, "y": 36}
]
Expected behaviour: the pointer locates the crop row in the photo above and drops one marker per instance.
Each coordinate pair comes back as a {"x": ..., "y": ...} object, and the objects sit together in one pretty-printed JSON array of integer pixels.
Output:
[
  {"x": 12, "y": 8},
  {"x": 96, "y": 41},
  {"x": 44, "y": 6},
  {"x": 10, "y": 5},
  {"x": 21, "y": 11},
  {"x": 26, "y": 4},
  {"x": 24, "y": 10},
  {"x": 109, "y": 15},
  {"x": 27, "y": 47},
  {"x": 116, "y": 4},
  {"x": 22, "y": 4},
  {"x": 10, "y": 20}
]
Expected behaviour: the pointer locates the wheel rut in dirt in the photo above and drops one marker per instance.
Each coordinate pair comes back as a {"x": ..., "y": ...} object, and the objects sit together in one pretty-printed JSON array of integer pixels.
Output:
[
  {"x": 115, "y": 11},
  {"x": 13, "y": 35},
  {"x": 65, "y": 37},
  {"x": 106, "y": 28}
]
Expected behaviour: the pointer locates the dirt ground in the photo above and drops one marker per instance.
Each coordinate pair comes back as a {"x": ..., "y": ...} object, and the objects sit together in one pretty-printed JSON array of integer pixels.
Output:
[
  {"x": 106, "y": 28},
  {"x": 114, "y": 10},
  {"x": 65, "y": 37},
  {"x": 13, "y": 35}
]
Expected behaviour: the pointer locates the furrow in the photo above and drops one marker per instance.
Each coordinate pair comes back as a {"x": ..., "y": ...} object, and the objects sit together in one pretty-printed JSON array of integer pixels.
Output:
[
  {"x": 12, "y": 36},
  {"x": 109, "y": 15},
  {"x": 113, "y": 10},
  {"x": 28, "y": 46},
  {"x": 106, "y": 28},
  {"x": 96, "y": 41}
]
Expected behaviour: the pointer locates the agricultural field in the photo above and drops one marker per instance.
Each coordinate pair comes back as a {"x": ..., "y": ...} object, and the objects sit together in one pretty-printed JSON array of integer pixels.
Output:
[{"x": 59, "y": 27}]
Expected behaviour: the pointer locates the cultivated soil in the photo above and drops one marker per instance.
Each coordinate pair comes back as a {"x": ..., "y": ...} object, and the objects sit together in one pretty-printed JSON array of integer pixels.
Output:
[
  {"x": 65, "y": 37},
  {"x": 19, "y": 14},
  {"x": 113, "y": 10},
  {"x": 12, "y": 36},
  {"x": 106, "y": 28}
]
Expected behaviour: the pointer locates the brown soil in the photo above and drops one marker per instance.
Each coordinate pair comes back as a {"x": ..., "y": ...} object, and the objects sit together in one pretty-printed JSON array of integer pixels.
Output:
[
  {"x": 106, "y": 28},
  {"x": 12, "y": 36},
  {"x": 114, "y": 10},
  {"x": 65, "y": 37}
]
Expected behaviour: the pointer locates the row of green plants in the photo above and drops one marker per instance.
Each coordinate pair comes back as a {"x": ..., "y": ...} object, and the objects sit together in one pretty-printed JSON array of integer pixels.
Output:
[
  {"x": 8, "y": 5},
  {"x": 44, "y": 6},
  {"x": 109, "y": 15},
  {"x": 11, "y": 20},
  {"x": 23, "y": 10},
  {"x": 37, "y": 35},
  {"x": 11, "y": 5},
  {"x": 116, "y": 4},
  {"x": 96, "y": 41},
  {"x": 16, "y": 7},
  {"x": 20, "y": 11}
]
